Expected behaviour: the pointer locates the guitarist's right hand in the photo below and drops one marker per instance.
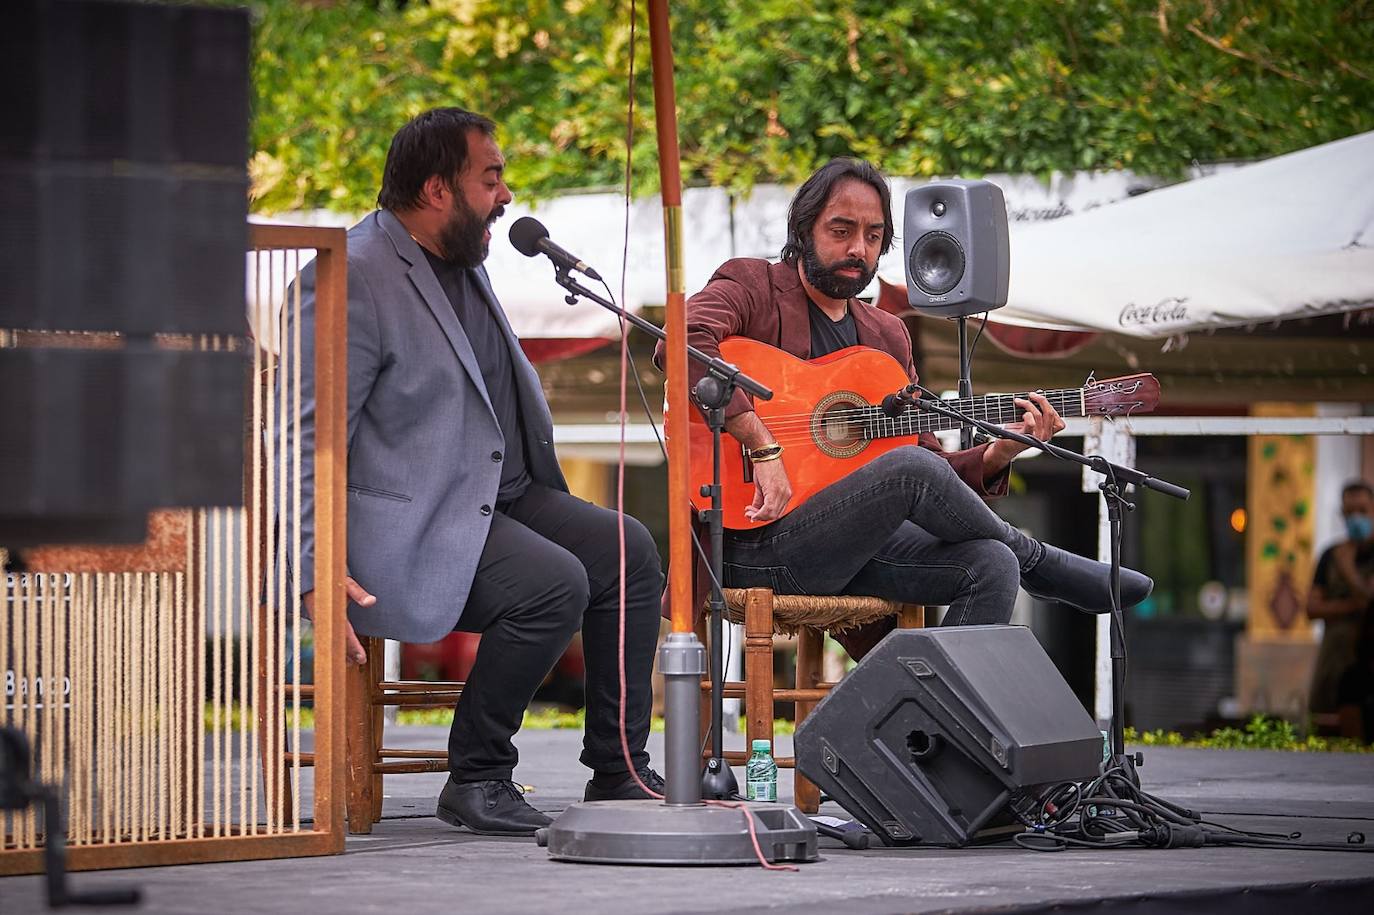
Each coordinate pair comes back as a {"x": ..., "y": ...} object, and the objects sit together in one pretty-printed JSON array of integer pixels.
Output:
[{"x": 772, "y": 492}]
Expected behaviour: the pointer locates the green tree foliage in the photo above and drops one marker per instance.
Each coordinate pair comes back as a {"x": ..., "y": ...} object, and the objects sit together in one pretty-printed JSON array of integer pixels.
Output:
[{"x": 769, "y": 89}]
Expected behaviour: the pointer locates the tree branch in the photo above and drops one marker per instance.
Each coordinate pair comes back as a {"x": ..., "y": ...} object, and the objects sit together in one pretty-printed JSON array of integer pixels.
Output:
[{"x": 1259, "y": 61}]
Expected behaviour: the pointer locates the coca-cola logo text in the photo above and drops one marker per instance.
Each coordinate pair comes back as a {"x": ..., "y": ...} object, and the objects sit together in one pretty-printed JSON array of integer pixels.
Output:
[{"x": 1165, "y": 311}]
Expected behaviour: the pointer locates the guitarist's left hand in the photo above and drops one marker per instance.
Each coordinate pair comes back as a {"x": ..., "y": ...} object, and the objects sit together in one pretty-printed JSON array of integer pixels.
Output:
[{"x": 1040, "y": 420}]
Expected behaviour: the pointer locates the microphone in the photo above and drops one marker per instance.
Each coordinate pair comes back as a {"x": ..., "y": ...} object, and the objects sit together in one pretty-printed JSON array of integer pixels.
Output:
[
  {"x": 896, "y": 403},
  {"x": 529, "y": 237}
]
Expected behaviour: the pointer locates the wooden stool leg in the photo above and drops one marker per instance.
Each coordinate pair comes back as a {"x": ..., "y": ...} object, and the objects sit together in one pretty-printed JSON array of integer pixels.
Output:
[
  {"x": 359, "y": 747},
  {"x": 911, "y": 616},
  {"x": 758, "y": 666},
  {"x": 376, "y": 659},
  {"x": 810, "y": 645}
]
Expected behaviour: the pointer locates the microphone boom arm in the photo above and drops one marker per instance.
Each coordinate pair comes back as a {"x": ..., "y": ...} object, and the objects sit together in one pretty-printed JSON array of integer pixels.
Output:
[{"x": 1096, "y": 462}]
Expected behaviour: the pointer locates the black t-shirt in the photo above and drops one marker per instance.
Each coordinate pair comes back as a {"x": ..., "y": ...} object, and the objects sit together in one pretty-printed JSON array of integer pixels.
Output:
[
  {"x": 828, "y": 336},
  {"x": 1330, "y": 579},
  {"x": 498, "y": 372}
]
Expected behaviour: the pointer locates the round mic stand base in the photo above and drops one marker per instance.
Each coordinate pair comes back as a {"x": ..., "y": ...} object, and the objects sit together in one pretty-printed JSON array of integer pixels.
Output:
[
  {"x": 679, "y": 829},
  {"x": 654, "y": 832}
]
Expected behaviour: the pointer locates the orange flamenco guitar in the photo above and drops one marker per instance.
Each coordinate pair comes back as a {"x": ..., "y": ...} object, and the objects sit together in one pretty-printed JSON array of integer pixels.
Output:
[{"x": 825, "y": 413}]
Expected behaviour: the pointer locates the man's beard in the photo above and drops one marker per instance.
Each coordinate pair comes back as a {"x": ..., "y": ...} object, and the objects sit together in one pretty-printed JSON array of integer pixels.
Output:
[
  {"x": 825, "y": 278},
  {"x": 461, "y": 237}
]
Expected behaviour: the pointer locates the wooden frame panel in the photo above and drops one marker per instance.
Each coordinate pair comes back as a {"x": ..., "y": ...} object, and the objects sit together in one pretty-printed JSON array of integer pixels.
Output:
[{"x": 197, "y": 807}]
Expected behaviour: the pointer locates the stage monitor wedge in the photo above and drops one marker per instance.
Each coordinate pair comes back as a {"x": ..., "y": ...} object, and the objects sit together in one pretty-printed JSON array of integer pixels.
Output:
[
  {"x": 956, "y": 249},
  {"x": 939, "y": 733}
]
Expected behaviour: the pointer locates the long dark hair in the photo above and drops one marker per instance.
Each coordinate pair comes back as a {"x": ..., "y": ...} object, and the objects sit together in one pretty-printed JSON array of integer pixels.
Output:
[
  {"x": 432, "y": 143},
  {"x": 811, "y": 198}
]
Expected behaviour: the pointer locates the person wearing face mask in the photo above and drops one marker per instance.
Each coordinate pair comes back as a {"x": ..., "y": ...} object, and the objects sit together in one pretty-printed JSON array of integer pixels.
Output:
[
  {"x": 459, "y": 517},
  {"x": 911, "y": 525},
  {"x": 1342, "y": 590}
]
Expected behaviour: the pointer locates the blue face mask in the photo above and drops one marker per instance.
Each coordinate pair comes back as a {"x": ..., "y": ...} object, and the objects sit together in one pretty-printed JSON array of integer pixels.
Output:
[{"x": 1359, "y": 527}]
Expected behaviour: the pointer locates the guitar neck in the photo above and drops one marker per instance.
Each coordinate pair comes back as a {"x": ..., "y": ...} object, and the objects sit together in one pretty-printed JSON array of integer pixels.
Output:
[{"x": 998, "y": 409}]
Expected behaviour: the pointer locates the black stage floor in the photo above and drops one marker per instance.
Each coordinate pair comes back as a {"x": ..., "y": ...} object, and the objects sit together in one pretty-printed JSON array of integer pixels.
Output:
[{"x": 412, "y": 863}]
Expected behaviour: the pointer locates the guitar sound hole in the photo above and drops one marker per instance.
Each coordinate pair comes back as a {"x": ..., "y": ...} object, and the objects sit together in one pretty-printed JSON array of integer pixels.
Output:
[{"x": 837, "y": 425}]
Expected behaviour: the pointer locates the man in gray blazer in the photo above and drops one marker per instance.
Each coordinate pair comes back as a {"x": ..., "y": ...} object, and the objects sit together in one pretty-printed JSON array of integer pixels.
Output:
[{"x": 458, "y": 514}]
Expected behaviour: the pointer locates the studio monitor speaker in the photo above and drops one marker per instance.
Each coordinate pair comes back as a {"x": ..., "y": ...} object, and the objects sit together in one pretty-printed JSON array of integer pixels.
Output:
[
  {"x": 941, "y": 736},
  {"x": 957, "y": 254}
]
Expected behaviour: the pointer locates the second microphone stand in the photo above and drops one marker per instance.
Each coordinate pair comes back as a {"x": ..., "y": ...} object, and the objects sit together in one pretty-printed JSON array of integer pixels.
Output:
[
  {"x": 713, "y": 392},
  {"x": 1116, "y": 477},
  {"x": 682, "y": 829}
]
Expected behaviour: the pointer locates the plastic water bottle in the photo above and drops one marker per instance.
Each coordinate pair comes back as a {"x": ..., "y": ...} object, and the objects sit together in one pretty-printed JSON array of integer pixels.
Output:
[{"x": 761, "y": 773}]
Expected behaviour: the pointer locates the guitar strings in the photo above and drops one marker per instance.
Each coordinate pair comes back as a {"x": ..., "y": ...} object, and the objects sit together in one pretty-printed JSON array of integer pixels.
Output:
[
  {"x": 983, "y": 410},
  {"x": 873, "y": 423},
  {"x": 976, "y": 406}
]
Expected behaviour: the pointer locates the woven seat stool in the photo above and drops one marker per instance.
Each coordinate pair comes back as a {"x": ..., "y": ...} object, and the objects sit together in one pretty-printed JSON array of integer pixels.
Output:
[
  {"x": 765, "y": 614},
  {"x": 367, "y": 761}
]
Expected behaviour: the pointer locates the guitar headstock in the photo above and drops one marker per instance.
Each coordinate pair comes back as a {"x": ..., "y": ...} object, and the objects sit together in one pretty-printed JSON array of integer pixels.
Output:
[{"x": 1124, "y": 396}]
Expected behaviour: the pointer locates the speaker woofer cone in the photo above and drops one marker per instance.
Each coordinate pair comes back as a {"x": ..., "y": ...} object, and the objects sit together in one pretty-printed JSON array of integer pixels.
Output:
[{"x": 937, "y": 263}]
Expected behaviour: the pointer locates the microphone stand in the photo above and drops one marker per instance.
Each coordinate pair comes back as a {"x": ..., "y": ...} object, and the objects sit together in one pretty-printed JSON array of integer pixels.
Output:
[
  {"x": 713, "y": 392},
  {"x": 965, "y": 376},
  {"x": 683, "y": 829},
  {"x": 1117, "y": 476}
]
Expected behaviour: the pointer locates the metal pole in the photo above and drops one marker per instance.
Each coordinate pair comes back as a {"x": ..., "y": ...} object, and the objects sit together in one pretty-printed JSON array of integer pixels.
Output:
[
  {"x": 683, "y": 830},
  {"x": 670, "y": 184},
  {"x": 965, "y": 379},
  {"x": 682, "y": 657}
]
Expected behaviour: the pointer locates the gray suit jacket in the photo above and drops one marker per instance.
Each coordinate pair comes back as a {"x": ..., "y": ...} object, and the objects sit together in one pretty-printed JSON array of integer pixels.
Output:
[{"x": 424, "y": 447}]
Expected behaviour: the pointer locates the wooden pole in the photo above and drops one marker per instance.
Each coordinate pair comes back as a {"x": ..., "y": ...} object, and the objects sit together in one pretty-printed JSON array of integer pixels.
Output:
[{"x": 680, "y": 558}]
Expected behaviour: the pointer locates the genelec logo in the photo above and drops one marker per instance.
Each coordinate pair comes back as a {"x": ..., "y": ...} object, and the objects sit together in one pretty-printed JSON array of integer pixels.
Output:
[{"x": 1166, "y": 311}]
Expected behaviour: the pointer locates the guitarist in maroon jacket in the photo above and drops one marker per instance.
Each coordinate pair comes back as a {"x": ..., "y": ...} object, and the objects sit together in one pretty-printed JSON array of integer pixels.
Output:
[{"x": 912, "y": 524}]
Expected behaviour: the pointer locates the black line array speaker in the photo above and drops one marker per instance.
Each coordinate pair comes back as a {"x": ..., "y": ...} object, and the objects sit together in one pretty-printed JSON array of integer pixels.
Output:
[
  {"x": 958, "y": 254},
  {"x": 941, "y": 736},
  {"x": 98, "y": 434},
  {"x": 123, "y": 167},
  {"x": 123, "y": 212}
]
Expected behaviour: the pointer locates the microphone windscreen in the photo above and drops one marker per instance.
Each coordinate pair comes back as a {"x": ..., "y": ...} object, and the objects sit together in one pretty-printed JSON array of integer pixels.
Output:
[
  {"x": 893, "y": 405},
  {"x": 525, "y": 233}
]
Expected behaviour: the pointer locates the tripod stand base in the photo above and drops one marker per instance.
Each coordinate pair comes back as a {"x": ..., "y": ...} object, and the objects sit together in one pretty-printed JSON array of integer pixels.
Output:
[
  {"x": 718, "y": 781},
  {"x": 652, "y": 832}
]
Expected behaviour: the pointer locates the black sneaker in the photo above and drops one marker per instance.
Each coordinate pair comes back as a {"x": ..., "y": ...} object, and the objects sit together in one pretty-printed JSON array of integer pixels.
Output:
[
  {"x": 626, "y": 788},
  {"x": 491, "y": 808}
]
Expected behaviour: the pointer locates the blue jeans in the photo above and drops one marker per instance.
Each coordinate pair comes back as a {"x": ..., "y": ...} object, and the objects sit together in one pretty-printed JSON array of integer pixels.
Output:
[{"x": 903, "y": 527}]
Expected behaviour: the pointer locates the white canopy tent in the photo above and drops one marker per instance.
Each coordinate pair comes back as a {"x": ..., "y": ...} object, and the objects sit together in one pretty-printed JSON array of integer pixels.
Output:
[{"x": 1288, "y": 237}]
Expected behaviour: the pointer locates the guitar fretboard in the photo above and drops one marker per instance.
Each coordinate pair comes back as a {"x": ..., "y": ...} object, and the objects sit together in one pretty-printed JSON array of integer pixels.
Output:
[{"x": 998, "y": 409}]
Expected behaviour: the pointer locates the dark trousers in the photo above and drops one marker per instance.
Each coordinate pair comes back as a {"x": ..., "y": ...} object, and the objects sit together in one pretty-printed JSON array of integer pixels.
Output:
[
  {"x": 903, "y": 527},
  {"x": 550, "y": 566}
]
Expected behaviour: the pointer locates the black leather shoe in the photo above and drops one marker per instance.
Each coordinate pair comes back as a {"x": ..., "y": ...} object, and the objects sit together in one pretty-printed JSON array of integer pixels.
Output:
[
  {"x": 491, "y": 808},
  {"x": 627, "y": 789},
  {"x": 1083, "y": 583}
]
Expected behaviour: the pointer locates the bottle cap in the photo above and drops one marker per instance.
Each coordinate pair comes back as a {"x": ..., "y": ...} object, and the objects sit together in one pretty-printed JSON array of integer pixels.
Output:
[{"x": 762, "y": 746}]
